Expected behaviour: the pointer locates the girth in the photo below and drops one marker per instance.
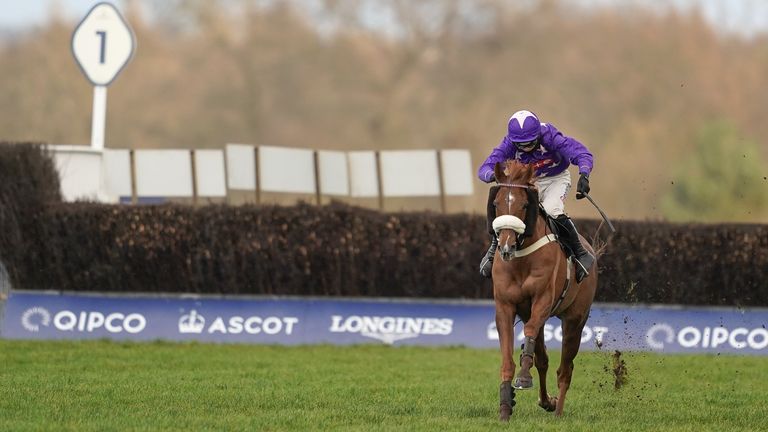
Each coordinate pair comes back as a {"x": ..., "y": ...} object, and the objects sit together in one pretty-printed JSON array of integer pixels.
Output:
[{"x": 568, "y": 266}]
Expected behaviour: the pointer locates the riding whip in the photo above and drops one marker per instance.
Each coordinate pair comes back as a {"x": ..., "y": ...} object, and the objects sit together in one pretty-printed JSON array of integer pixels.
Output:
[{"x": 605, "y": 218}]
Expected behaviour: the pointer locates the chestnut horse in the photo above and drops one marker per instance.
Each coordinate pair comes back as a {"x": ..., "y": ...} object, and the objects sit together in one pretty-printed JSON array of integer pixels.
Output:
[{"x": 533, "y": 279}]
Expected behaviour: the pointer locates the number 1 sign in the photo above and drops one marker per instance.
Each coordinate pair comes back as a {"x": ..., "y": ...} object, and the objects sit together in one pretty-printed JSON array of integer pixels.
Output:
[{"x": 102, "y": 45}]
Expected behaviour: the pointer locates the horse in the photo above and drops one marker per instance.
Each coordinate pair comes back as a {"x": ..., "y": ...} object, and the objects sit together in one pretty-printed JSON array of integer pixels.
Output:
[{"x": 532, "y": 280}]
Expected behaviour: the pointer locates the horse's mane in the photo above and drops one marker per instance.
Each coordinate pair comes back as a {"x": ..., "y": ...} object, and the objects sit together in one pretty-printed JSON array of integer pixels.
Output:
[{"x": 518, "y": 171}]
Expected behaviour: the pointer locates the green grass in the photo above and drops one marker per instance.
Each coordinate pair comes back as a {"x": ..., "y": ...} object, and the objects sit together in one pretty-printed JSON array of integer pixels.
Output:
[{"x": 105, "y": 386}]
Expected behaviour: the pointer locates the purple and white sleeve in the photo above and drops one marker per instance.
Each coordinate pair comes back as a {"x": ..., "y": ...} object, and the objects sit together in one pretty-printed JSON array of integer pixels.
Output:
[{"x": 499, "y": 154}]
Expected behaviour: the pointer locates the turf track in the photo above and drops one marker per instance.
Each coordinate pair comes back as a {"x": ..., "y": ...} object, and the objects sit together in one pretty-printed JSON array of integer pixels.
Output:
[{"x": 103, "y": 385}]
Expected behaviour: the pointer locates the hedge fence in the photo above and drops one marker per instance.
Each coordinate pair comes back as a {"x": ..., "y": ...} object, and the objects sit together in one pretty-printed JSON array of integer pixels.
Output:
[{"x": 333, "y": 250}]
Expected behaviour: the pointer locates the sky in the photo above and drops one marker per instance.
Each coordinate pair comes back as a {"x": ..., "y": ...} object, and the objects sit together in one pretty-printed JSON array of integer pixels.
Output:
[
  {"x": 20, "y": 14},
  {"x": 744, "y": 17}
]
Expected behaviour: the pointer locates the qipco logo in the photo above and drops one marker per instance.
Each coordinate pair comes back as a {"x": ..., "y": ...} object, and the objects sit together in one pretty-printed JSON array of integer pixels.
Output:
[
  {"x": 661, "y": 335},
  {"x": 84, "y": 321}
]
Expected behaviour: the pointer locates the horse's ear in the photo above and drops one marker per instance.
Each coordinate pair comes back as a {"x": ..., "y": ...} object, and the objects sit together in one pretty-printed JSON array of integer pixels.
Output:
[{"x": 498, "y": 172}]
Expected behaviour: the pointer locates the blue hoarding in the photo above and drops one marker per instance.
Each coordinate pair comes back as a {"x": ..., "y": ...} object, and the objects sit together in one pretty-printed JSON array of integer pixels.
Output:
[{"x": 294, "y": 321}]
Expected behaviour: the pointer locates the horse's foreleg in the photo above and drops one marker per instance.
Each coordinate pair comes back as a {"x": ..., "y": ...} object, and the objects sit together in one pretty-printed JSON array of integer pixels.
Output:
[
  {"x": 541, "y": 361},
  {"x": 505, "y": 315},
  {"x": 532, "y": 328},
  {"x": 571, "y": 341}
]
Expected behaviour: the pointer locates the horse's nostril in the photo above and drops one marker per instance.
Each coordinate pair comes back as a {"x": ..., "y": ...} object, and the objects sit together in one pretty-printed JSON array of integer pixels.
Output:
[{"x": 506, "y": 252}]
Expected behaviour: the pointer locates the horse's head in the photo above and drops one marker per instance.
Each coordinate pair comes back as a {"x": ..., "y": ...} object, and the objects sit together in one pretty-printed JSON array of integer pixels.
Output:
[{"x": 516, "y": 203}]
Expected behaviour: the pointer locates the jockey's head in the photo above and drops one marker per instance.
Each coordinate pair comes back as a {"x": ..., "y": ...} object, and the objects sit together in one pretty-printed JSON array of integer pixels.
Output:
[{"x": 524, "y": 130}]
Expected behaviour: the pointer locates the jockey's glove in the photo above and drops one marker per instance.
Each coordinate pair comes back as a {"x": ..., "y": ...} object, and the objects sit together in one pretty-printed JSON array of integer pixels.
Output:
[{"x": 583, "y": 187}]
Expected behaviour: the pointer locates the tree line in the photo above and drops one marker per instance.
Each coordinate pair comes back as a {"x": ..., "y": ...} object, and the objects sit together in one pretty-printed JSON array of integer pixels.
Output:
[{"x": 642, "y": 90}]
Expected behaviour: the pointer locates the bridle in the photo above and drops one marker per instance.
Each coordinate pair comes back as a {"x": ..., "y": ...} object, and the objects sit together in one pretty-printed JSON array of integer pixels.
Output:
[
  {"x": 532, "y": 209},
  {"x": 519, "y": 186}
]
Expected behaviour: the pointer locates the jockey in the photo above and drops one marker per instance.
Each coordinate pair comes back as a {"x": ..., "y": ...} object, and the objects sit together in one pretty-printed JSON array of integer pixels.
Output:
[{"x": 532, "y": 142}]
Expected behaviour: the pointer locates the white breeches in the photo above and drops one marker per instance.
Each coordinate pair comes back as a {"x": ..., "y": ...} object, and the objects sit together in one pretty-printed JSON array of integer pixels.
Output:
[{"x": 552, "y": 192}]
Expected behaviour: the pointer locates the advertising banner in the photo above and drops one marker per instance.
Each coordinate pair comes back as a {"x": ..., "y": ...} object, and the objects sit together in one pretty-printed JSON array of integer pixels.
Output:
[{"x": 291, "y": 321}]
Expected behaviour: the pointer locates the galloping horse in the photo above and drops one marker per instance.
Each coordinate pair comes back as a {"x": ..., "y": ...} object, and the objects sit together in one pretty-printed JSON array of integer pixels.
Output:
[{"x": 533, "y": 280}]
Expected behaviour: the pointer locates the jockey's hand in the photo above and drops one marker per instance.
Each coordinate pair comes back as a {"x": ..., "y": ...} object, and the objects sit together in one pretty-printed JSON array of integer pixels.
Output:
[{"x": 583, "y": 186}]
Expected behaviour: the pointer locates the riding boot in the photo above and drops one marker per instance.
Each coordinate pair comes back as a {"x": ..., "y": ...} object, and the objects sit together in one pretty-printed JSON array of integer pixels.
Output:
[
  {"x": 583, "y": 258},
  {"x": 486, "y": 265}
]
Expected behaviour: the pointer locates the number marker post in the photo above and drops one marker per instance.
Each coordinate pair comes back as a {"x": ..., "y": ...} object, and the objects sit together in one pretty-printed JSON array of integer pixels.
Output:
[{"x": 102, "y": 44}]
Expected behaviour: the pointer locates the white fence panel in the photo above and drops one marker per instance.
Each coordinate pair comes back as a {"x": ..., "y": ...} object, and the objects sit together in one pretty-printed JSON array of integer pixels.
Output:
[
  {"x": 241, "y": 167},
  {"x": 80, "y": 172},
  {"x": 362, "y": 174},
  {"x": 334, "y": 173},
  {"x": 408, "y": 173},
  {"x": 105, "y": 176},
  {"x": 117, "y": 169},
  {"x": 209, "y": 173},
  {"x": 286, "y": 170},
  {"x": 163, "y": 173},
  {"x": 457, "y": 172}
]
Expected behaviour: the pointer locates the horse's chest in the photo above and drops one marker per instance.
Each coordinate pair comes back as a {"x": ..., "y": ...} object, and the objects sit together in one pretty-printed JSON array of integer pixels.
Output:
[{"x": 509, "y": 293}]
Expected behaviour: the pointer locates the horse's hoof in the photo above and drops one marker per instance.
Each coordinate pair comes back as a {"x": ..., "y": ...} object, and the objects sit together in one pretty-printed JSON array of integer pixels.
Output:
[
  {"x": 523, "y": 383},
  {"x": 504, "y": 412},
  {"x": 550, "y": 405}
]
